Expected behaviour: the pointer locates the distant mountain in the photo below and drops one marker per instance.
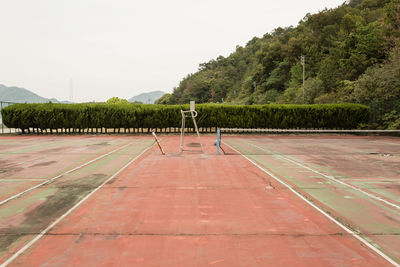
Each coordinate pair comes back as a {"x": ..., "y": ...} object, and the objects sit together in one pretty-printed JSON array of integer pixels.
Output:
[
  {"x": 147, "y": 98},
  {"x": 21, "y": 95}
]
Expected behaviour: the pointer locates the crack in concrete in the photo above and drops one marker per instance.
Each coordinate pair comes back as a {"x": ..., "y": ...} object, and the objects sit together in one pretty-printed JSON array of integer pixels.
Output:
[{"x": 196, "y": 234}]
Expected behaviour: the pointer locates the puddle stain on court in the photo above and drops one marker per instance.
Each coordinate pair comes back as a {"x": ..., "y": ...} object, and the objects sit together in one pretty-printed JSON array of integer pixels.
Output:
[
  {"x": 80, "y": 238},
  {"x": 47, "y": 163},
  {"x": 68, "y": 193},
  {"x": 193, "y": 144},
  {"x": 97, "y": 146},
  {"x": 9, "y": 168},
  {"x": 105, "y": 143},
  {"x": 53, "y": 150}
]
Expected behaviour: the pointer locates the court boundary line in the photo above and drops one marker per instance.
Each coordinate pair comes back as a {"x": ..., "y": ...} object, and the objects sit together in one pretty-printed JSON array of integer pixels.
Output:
[
  {"x": 28, "y": 147},
  {"x": 332, "y": 178},
  {"x": 276, "y": 130},
  {"x": 61, "y": 175},
  {"x": 42, "y": 233},
  {"x": 348, "y": 230},
  {"x": 22, "y": 180}
]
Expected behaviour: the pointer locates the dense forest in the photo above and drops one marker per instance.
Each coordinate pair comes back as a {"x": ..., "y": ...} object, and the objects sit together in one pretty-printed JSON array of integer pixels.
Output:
[{"x": 352, "y": 55}]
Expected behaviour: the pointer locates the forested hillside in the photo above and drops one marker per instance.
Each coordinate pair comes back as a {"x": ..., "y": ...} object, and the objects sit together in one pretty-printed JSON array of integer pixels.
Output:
[{"x": 352, "y": 54}]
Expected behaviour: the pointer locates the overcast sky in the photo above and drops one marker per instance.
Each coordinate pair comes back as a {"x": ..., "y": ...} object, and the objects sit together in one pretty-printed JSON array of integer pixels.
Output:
[{"x": 127, "y": 47}]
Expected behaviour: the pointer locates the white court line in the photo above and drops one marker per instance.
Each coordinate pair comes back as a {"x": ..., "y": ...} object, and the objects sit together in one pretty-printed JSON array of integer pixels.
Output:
[
  {"x": 332, "y": 178},
  {"x": 61, "y": 175},
  {"x": 348, "y": 230},
  {"x": 30, "y": 147},
  {"x": 21, "y": 180},
  {"x": 28, "y": 245}
]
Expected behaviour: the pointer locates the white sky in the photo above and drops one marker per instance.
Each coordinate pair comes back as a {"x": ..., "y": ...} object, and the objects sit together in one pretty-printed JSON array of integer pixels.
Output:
[{"x": 127, "y": 47}]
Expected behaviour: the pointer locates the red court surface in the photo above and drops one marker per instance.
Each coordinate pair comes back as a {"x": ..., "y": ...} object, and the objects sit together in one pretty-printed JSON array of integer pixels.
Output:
[{"x": 190, "y": 208}]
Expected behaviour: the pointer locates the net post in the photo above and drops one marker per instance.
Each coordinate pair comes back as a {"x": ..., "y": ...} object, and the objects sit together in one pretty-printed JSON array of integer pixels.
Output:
[{"x": 218, "y": 138}]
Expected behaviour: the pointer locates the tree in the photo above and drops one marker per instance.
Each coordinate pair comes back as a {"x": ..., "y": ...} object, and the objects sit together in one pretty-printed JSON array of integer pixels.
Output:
[
  {"x": 380, "y": 83},
  {"x": 346, "y": 50},
  {"x": 165, "y": 99},
  {"x": 117, "y": 100},
  {"x": 392, "y": 21}
]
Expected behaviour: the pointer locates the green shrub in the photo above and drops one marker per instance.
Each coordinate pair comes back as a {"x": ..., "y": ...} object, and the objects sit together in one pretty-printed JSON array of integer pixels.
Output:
[{"x": 83, "y": 116}]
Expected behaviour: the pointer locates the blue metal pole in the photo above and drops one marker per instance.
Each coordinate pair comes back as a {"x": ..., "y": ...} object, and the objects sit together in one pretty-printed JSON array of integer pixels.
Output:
[{"x": 218, "y": 138}]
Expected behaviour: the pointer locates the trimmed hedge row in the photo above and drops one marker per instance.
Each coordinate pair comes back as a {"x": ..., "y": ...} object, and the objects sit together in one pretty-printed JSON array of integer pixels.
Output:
[{"x": 88, "y": 116}]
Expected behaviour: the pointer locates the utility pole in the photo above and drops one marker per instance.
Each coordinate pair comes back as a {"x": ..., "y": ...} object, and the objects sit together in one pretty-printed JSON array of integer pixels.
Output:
[{"x": 303, "y": 62}]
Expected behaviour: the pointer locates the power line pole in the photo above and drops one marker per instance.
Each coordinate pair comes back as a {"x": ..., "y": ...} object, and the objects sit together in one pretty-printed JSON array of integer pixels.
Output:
[{"x": 303, "y": 62}]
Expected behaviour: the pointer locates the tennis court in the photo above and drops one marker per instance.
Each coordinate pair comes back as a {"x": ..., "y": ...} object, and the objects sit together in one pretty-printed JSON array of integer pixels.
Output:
[{"x": 268, "y": 201}]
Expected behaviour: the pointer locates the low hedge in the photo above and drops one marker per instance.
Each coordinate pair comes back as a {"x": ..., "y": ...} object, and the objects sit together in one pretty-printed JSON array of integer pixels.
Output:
[{"x": 92, "y": 116}]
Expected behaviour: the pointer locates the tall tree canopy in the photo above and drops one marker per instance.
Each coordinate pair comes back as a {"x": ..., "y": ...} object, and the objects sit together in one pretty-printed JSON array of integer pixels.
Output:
[{"x": 351, "y": 53}]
